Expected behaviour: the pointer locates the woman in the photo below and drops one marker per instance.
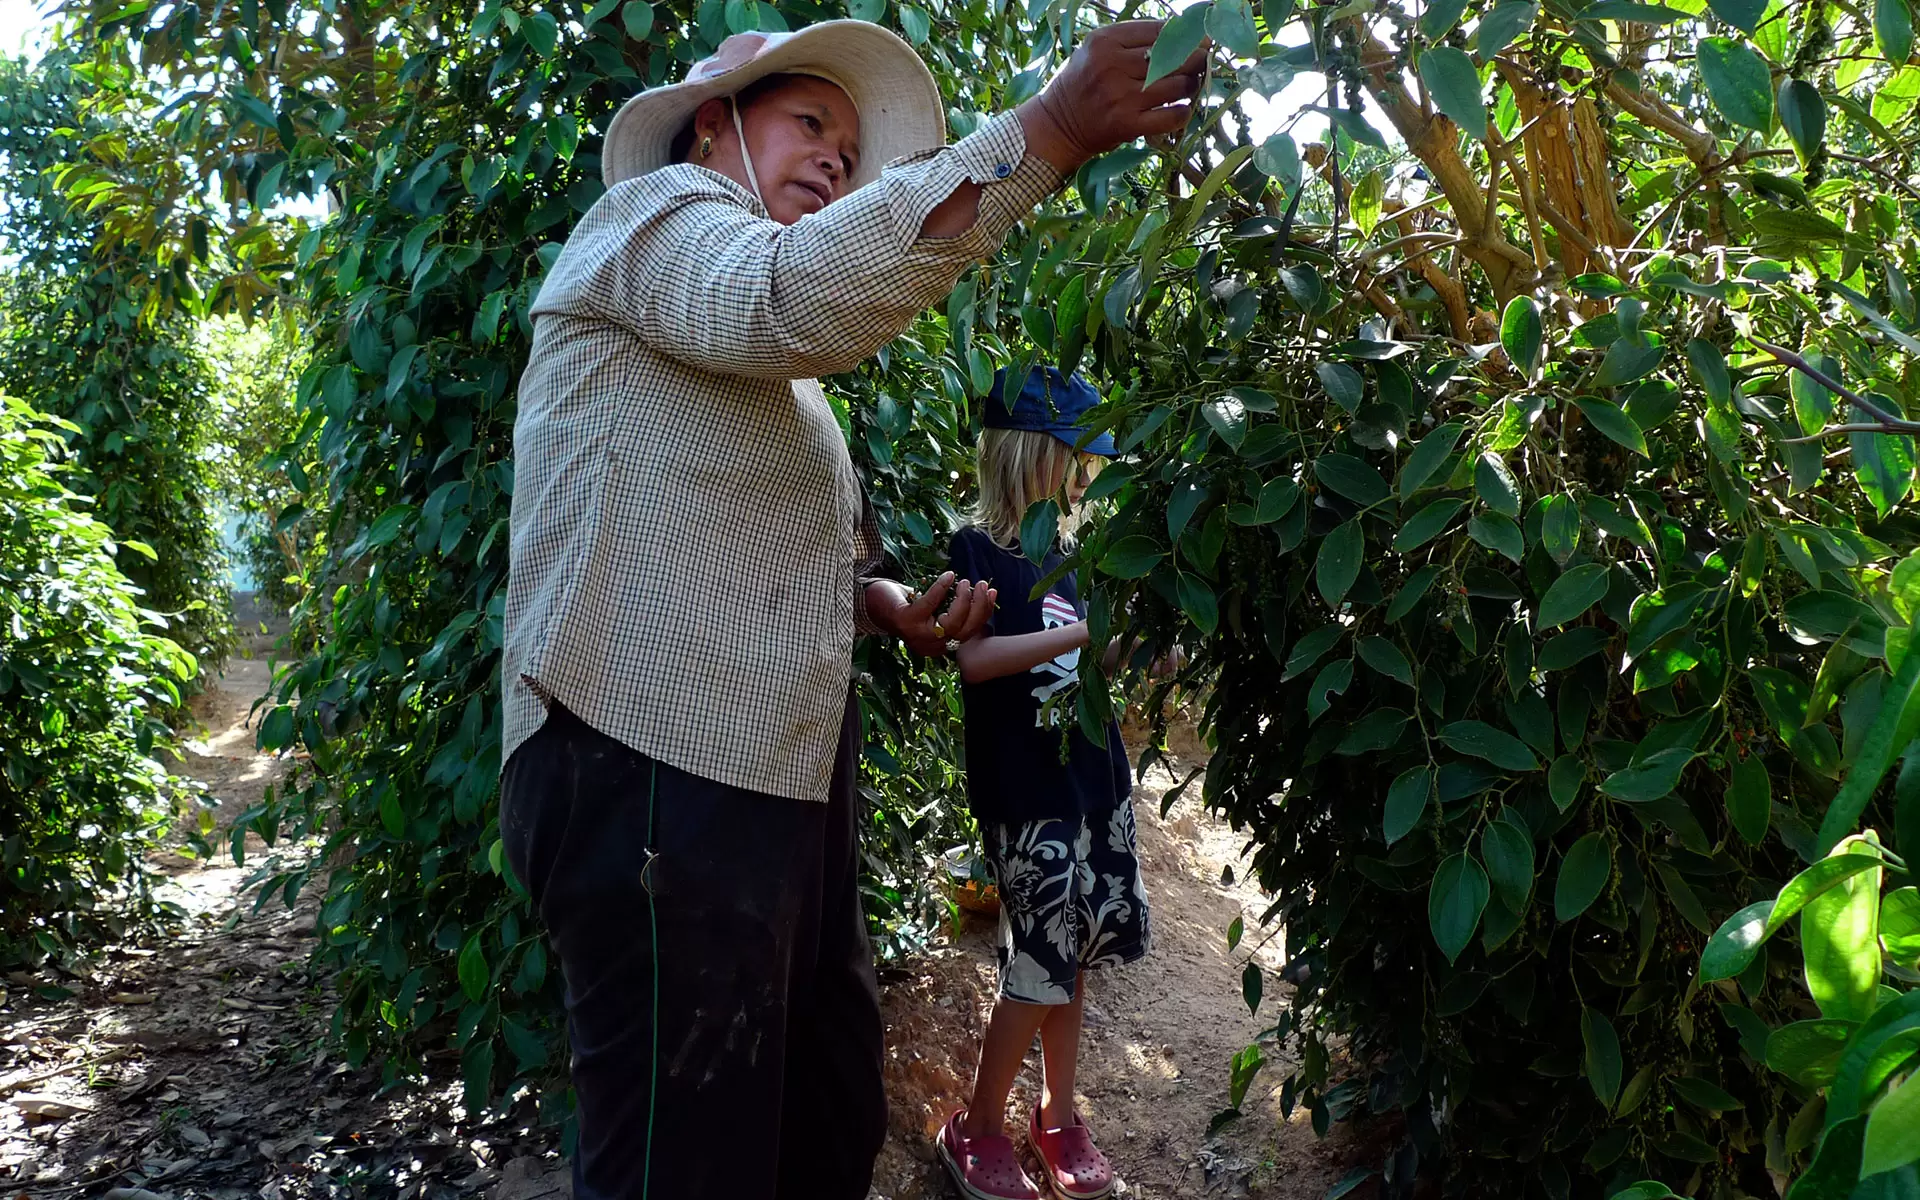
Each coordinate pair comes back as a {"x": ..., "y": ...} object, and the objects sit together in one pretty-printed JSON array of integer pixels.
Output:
[{"x": 692, "y": 558}]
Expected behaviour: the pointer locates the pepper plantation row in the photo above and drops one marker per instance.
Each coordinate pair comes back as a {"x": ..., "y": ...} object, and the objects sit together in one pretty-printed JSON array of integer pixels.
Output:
[{"x": 1518, "y": 438}]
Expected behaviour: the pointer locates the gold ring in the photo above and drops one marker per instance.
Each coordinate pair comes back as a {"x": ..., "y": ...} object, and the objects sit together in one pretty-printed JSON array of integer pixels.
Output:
[{"x": 939, "y": 630}]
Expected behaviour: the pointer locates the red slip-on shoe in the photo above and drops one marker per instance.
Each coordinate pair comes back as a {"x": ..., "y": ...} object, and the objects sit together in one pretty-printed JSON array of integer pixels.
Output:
[
  {"x": 1075, "y": 1167},
  {"x": 983, "y": 1168}
]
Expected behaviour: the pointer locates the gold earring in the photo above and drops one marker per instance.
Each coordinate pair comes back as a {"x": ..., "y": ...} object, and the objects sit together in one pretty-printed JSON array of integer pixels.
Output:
[{"x": 706, "y": 147}]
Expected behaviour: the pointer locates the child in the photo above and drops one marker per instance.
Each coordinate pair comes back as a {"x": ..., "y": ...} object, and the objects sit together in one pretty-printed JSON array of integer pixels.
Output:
[{"x": 1058, "y": 831}]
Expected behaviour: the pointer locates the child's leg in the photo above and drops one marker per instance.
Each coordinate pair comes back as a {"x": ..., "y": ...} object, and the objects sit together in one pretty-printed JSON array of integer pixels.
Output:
[
  {"x": 1060, "y": 1051},
  {"x": 1009, "y": 1037}
]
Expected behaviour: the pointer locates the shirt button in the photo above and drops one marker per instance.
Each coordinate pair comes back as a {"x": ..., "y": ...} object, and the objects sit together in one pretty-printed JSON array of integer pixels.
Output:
[{"x": 1002, "y": 170}]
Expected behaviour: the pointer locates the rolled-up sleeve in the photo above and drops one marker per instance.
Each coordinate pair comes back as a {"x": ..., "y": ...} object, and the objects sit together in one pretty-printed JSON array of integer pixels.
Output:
[{"x": 682, "y": 258}]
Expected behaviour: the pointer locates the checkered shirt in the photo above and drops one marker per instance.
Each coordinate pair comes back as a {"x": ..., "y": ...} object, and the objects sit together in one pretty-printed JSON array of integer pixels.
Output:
[{"x": 689, "y": 539}]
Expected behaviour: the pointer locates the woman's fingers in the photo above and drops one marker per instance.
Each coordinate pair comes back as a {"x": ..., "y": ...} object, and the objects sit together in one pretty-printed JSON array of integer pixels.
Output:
[
  {"x": 921, "y": 609},
  {"x": 956, "y": 614}
]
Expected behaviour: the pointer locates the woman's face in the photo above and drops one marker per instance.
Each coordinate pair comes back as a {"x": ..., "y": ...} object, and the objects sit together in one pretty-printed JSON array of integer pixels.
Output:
[{"x": 804, "y": 136}]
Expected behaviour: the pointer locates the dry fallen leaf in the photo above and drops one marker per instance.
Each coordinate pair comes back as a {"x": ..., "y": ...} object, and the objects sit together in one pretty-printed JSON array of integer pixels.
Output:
[
  {"x": 132, "y": 997},
  {"x": 51, "y": 1108}
]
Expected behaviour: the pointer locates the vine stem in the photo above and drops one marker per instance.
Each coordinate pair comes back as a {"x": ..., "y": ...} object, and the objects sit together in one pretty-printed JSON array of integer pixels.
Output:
[{"x": 1884, "y": 420}]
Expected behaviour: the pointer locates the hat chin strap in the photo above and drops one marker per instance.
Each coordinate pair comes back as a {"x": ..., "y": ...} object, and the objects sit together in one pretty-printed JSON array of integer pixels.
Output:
[{"x": 746, "y": 158}]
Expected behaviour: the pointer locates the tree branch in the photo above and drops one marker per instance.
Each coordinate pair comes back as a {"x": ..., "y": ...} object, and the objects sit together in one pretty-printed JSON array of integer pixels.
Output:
[{"x": 1887, "y": 422}]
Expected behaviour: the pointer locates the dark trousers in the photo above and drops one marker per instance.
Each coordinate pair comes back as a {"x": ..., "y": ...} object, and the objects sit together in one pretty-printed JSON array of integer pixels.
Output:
[{"x": 719, "y": 982}]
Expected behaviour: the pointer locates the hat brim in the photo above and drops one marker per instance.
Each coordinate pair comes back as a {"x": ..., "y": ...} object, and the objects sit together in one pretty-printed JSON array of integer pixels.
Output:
[
  {"x": 1102, "y": 443},
  {"x": 891, "y": 88}
]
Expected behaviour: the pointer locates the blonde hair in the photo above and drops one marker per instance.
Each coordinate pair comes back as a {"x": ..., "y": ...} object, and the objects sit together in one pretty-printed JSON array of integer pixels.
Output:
[{"x": 1017, "y": 467}]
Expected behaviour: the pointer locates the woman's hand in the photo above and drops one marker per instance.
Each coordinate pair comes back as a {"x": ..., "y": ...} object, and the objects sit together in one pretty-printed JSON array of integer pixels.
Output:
[
  {"x": 1101, "y": 98},
  {"x": 919, "y": 620}
]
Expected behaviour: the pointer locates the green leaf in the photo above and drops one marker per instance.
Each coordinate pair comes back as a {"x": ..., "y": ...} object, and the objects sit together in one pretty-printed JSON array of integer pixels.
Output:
[
  {"x": 1131, "y": 557},
  {"x": 1344, "y": 384},
  {"x": 1178, "y": 39},
  {"x": 1187, "y": 498},
  {"x": 1501, "y": 26},
  {"x": 388, "y": 525},
  {"x": 1731, "y": 948},
  {"x": 1572, "y": 594},
  {"x": 1199, "y": 603},
  {"x": 1337, "y": 563},
  {"x": 1741, "y": 14},
  {"x": 1385, "y": 657},
  {"x": 1333, "y": 680},
  {"x": 1454, "y": 85},
  {"x": 1894, "y": 728},
  {"x": 1603, "y": 1065},
  {"x": 1900, "y": 925},
  {"x": 1884, "y": 465},
  {"x": 1428, "y": 456},
  {"x": 1628, "y": 359},
  {"x": 1559, "y": 527},
  {"x": 1426, "y": 524},
  {"x": 1278, "y": 158},
  {"x": 1812, "y": 402},
  {"x": 1893, "y": 29},
  {"x": 1407, "y": 800},
  {"x": 1654, "y": 779},
  {"x": 1352, "y": 477},
  {"x": 1705, "y": 1095},
  {"x": 473, "y": 969},
  {"x": 1507, "y": 849},
  {"x": 1583, "y": 876},
  {"x": 1455, "y": 901},
  {"x": 1564, "y": 780},
  {"x": 918, "y": 25},
  {"x": 1710, "y": 368},
  {"x": 1808, "y": 1052},
  {"x": 1252, "y": 983},
  {"x": 1441, "y": 16},
  {"x": 1629, "y": 11},
  {"x": 542, "y": 31},
  {"x": 1803, "y": 114},
  {"x": 1522, "y": 335},
  {"x": 1039, "y": 530},
  {"x": 1364, "y": 204},
  {"x": 276, "y": 731},
  {"x": 1738, "y": 82},
  {"x": 1563, "y": 650},
  {"x": 1893, "y": 1130},
  {"x": 1750, "y": 798},
  {"x": 1613, "y": 422},
  {"x": 1496, "y": 486},
  {"x": 1499, "y": 534},
  {"x": 1230, "y": 24},
  {"x": 1309, "y": 650},
  {"x": 1497, "y": 746},
  {"x": 1840, "y": 942}
]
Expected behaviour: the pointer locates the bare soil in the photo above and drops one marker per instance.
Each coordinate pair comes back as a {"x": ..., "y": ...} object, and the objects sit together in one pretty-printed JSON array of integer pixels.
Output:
[{"x": 195, "y": 1061}]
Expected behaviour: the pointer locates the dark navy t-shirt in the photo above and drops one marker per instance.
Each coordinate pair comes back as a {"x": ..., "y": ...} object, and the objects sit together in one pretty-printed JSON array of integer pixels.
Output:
[{"x": 1014, "y": 736}]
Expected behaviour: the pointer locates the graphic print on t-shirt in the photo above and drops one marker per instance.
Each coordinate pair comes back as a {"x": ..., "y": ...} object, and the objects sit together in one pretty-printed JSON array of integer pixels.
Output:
[{"x": 1062, "y": 672}]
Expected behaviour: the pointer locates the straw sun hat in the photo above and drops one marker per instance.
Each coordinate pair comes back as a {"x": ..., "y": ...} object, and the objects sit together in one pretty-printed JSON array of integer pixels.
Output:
[{"x": 891, "y": 88}]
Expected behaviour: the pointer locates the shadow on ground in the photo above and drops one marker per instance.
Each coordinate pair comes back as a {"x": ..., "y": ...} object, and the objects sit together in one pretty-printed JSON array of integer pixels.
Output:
[{"x": 198, "y": 1063}]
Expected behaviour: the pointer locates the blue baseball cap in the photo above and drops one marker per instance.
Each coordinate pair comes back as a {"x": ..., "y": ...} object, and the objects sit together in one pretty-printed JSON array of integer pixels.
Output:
[{"x": 1050, "y": 402}]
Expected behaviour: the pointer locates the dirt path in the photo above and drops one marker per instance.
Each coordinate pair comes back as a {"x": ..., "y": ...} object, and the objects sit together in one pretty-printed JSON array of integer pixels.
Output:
[{"x": 197, "y": 1064}]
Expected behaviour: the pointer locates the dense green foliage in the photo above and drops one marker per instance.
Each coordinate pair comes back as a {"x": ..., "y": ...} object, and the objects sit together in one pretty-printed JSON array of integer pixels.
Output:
[
  {"x": 83, "y": 677},
  {"x": 79, "y": 339},
  {"x": 1532, "y": 643}
]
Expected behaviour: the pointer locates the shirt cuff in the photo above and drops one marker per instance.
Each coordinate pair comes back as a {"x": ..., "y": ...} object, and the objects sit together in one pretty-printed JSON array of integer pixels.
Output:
[{"x": 863, "y": 625}]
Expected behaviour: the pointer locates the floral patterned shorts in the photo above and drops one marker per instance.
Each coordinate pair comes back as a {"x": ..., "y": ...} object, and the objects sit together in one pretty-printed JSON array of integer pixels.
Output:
[{"x": 1071, "y": 897}]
